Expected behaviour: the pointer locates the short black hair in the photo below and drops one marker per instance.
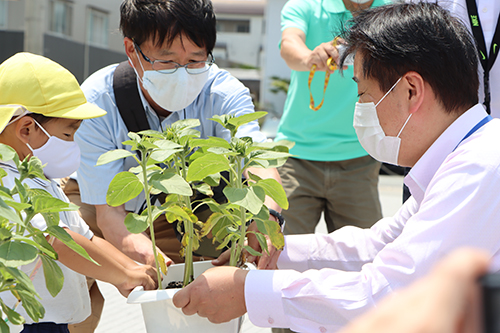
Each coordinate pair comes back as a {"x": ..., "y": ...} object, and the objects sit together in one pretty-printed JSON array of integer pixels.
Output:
[
  {"x": 164, "y": 20},
  {"x": 421, "y": 37}
]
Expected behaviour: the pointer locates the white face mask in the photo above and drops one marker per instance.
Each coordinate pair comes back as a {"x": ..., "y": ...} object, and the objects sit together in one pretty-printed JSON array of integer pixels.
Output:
[
  {"x": 61, "y": 157},
  {"x": 360, "y": 1},
  {"x": 371, "y": 135},
  {"x": 175, "y": 91}
]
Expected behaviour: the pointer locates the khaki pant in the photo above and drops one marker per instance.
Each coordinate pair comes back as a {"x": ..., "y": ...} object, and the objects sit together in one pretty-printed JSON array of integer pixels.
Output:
[
  {"x": 166, "y": 241},
  {"x": 345, "y": 192}
]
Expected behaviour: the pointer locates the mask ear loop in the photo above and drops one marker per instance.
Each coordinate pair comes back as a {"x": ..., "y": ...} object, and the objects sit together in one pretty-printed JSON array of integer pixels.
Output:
[
  {"x": 43, "y": 130},
  {"x": 404, "y": 125},
  {"x": 387, "y": 93},
  {"x": 142, "y": 67}
]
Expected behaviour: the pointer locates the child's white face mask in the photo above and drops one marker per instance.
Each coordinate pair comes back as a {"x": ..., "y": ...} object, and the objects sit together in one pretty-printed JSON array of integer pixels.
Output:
[{"x": 61, "y": 158}]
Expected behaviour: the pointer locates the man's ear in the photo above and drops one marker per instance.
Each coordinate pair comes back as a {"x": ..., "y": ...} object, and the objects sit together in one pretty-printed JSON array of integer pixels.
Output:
[
  {"x": 416, "y": 90},
  {"x": 129, "y": 47}
]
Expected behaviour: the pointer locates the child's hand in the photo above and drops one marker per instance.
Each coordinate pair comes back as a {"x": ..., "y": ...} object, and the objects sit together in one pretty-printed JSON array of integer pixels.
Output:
[
  {"x": 149, "y": 270},
  {"x": 138, "y": 277}
]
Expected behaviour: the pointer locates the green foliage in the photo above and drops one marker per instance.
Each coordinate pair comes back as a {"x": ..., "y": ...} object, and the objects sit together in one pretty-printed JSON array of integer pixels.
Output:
[
  {"x": 178, "y": 163},
  {"x": 21, "y": 243}
]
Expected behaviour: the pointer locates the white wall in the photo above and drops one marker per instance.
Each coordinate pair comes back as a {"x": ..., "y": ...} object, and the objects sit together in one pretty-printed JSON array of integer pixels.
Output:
[
  {"x": 273, "y": 64},
  {"x": 243, "y": 47}
]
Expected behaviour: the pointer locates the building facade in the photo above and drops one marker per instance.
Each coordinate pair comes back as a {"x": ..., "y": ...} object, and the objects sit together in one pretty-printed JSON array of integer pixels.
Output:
[{"x": 81, "y": 35}]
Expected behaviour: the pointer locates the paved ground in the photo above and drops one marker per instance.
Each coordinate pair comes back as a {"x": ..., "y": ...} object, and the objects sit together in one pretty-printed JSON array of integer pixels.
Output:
[{"x": 118, "y": 316}]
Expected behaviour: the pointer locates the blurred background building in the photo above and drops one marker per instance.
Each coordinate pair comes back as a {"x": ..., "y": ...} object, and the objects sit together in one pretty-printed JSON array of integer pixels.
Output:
[{"x": 83, "y": 36}]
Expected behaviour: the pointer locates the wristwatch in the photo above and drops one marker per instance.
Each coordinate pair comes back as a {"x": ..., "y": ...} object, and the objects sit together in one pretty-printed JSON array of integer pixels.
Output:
[{"x": 281, "y": 221}]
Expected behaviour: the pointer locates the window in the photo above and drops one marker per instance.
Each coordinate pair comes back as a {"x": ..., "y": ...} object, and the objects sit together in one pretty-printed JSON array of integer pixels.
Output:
[
  {"x": 97, "y": 27},
  {"x": 238, "y": 26},
  {"x": 3, "y": 14},
  {"x": 60, "y": 17}
]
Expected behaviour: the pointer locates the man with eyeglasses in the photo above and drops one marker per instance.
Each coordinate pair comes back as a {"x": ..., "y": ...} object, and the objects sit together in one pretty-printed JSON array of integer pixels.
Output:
[{"x": 169, "y": 47}]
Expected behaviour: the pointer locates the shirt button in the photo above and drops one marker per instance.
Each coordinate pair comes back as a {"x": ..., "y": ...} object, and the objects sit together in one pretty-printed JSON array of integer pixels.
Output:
[
  {"x": 322, "y": 329},
  {"x": 270, "y": 320},
  {"x": 485, "y": 10}
]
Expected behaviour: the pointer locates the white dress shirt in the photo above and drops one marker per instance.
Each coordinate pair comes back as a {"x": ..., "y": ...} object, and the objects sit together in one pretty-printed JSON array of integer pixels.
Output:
[{"x": 325, "y": 281}]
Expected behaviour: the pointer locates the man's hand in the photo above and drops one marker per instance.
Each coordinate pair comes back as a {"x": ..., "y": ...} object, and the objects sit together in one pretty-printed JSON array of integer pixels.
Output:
[
  {"x": 136, "y": 246},
  {"x": 319, "y": 56},
  {"x": 445, "y": 301},
  {"x": 218, "y": 294}
]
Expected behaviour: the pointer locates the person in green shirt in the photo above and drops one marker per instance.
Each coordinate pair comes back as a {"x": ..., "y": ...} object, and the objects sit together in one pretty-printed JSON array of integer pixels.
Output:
[{"x": 330, "y": 173}]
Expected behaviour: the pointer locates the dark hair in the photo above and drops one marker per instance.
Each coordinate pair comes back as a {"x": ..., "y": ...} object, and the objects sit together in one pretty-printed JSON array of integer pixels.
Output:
[
  {"x": 421, "y": 37},
  {"x": 164, "y": 20},
  {"x": 40, "y": 118}
]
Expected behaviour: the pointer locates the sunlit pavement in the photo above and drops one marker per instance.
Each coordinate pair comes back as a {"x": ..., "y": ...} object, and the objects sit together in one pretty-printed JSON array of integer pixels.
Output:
[{"x": 118, "y": 316}]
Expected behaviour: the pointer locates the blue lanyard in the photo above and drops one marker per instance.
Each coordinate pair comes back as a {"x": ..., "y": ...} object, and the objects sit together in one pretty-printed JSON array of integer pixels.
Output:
[{"x": 475, "y": 128}]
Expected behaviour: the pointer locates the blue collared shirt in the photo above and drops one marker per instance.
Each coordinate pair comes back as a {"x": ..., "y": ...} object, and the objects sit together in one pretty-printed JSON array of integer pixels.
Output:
[{"x": 222, "y": 94}]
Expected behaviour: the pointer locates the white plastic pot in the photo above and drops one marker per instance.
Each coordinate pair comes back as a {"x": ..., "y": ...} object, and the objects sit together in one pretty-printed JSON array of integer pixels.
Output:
[{"x": 160, "y": 314}]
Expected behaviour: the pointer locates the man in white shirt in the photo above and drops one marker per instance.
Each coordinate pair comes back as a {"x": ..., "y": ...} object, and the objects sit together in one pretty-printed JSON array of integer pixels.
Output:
[{"x": 416, "y": 70}]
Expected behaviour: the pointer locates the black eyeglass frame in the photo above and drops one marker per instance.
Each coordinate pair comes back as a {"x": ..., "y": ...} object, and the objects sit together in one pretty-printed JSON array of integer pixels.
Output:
[{"x": 209, "y": 62}]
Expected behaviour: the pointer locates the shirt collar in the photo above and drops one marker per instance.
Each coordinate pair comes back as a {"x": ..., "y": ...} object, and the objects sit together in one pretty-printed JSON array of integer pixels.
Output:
[
  {"x": 12, "y": 167},
  {"x": 337, "y": 6},
  {"x": 423, "y": 171}
]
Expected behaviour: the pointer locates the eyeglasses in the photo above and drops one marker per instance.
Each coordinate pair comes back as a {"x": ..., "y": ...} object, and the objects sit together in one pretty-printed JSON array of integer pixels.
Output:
[{"x": 169, "y": 67}]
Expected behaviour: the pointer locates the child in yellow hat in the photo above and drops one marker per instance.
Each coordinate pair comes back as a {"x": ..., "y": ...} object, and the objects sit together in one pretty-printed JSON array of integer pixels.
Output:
[{"x": 41, "y": 107}]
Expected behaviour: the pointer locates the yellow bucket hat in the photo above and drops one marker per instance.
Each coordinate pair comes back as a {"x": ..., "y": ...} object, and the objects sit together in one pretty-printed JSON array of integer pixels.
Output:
[{"x": 39, "y": 85}]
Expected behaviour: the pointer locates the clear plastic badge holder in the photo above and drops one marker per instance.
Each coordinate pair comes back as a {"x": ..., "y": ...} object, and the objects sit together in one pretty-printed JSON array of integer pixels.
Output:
[{"x": 349, "y": 61}]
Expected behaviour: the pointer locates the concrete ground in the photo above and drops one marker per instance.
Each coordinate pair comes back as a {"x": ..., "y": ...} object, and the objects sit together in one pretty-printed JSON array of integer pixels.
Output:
[{"x": 118, "y": 316}]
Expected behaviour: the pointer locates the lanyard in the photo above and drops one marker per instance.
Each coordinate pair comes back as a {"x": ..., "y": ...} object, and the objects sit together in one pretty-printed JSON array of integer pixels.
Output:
[
  {"x": 486, "y": 61},
  {"x": 475, "y": 128},
  {"x": 331, "y": 66}
]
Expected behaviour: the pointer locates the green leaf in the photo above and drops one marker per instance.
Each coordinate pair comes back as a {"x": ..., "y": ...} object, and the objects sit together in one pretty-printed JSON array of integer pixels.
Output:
[
  {"x": 14, "y": 254},
  {"x": 251, "y": 198},
  {"x": 33, "y": 307},
  {"x": 23, "y": 280},
  {"x": 54, "y": 277},
  {"x": 274, "y": 190},
  {"x": 171, "y": 183},
  {"x": 43, "y": 204},
  {"x": 7, "y": 153},
  {"x": 252, "y": 251},
  {"x": 64, "y": 237},
  {"x": 136, "y": 223},
  {"x": 204, "y": 189},
  {"x": 35, "y": 168},
  {"x": 211, "y": 142},
  {"x": 176, "y": 213},
  {"x": 124, "y": 187},
  {"x": 186, "y": 123},
  {"x": 212, "y": 180},
  {"x": 113, "y": 155},
  {"x": 18, "y": 206},
  {"x": 273, "y": 230},
  {"x": 9, "y": 213},
  {"x": 5, "y": 234},
  {"x": 206, "y": 165},
  {"x": 246, "y": 118},
  {"x": 151, "y": 133},
  {"x": 165, "y": 149},
  {"x": 14, "y": 317}
]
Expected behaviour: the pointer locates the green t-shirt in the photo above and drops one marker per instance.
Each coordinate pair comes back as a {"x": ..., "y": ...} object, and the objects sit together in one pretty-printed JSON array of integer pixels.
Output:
[{"x": 326, "y": 134}]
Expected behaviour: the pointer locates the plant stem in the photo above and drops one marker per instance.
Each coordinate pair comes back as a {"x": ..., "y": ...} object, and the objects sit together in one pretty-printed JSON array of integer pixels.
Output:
[
  {"x": 237, "y": 247},
  {"x": 150, "y": 217},
  {"x": 189, "y": 231}
]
